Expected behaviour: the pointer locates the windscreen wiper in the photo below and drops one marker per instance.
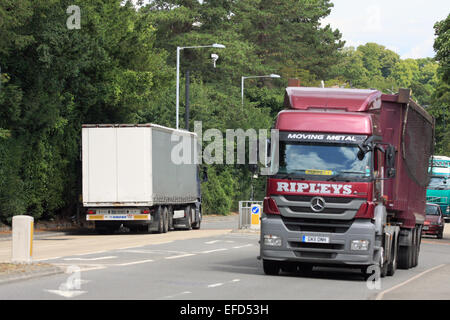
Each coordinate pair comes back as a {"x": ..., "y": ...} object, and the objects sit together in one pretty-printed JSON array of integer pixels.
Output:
[
  {"x": 343, "y": 172},
  {"x": 291, "y": 176}
]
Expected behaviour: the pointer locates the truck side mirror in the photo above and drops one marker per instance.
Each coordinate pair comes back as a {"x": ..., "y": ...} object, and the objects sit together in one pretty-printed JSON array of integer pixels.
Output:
[{"x": 390, "y": 161}]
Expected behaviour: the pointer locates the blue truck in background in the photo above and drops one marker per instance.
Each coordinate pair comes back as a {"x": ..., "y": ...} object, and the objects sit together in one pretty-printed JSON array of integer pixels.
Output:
[{"x": 438, "y": 191}]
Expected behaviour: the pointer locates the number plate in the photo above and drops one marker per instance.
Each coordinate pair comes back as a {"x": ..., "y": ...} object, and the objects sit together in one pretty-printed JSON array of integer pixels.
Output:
[
  {"x": 315, "y": 239},
  {"x": 425, "y": 228}
]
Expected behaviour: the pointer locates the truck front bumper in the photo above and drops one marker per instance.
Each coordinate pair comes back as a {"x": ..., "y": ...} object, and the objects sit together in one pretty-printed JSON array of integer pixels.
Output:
[{"x": 337, "y": 251}]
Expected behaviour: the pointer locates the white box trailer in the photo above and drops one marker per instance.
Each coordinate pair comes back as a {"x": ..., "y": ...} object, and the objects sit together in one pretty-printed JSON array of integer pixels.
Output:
[{"x": 139, "y": 177}]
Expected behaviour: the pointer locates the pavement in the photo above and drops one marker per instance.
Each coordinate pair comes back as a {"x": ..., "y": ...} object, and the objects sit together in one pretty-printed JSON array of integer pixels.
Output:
[{"x": 77, "y": 241}]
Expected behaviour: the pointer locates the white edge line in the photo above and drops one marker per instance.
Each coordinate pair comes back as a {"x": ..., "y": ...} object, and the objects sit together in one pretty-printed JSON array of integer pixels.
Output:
[
  {"x": 381, "y": 294},
  {"x": 134, "y": 262},
  {"x": 216, "y": 250},
  {"x": 175, "y": 295},
  {"x": 180, "y": 256},
  {"x": 247, "y": 245}
]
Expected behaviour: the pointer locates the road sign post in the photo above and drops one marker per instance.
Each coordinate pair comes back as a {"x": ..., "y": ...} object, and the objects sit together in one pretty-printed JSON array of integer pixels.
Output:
[{"x": 256, "y": 214}]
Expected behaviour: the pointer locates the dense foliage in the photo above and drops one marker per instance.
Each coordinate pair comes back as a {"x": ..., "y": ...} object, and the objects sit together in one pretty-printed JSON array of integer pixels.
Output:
[{"x": 119, "y": 67}]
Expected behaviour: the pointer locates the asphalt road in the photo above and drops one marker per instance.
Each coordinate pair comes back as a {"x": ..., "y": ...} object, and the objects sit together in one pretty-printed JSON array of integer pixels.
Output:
[{"x": 216, "y": 262}]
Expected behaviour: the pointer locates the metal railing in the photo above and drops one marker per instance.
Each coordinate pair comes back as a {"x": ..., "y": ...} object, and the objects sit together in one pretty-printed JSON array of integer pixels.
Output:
[
  {"x": 437, "y": 200},
  {"x": 245, "y": 215}
]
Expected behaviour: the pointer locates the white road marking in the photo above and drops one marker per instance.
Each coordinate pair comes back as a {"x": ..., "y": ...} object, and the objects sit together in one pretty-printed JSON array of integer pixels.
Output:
[
  {"x": 90, "y": 259},
  {"x": 213, "y": 241},
  {"x": 247, "y": 245},
  {"x": 381, "y": 294},
  {"x": 180, "y": 256},
  {"x": 175, "y": 295},
  {"x": 68, "y": 293},
  {"x": 215, "y": 250},
  {"x": 83, "y": 268},
  {"x": 235, "y": 280},
  {"x": 132, "y": 263},
  {"x": 85, "y": 254},
  {"x": 215, "y": 285}
]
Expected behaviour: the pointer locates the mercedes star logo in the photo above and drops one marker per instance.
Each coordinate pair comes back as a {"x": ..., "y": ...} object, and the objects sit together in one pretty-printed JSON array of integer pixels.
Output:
[{"x": 317, "y": 204}]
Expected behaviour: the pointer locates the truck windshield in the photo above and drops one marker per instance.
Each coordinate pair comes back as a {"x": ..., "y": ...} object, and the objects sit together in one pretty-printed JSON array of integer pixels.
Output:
[
  {"x": 432, "y": 210},
  {"x": 439, "y": 183},
  {"x": 327, "y": 160}
]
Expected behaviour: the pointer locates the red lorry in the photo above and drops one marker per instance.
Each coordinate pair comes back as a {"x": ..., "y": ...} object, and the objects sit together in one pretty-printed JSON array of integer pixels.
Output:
[{"x": 348, "y": 181}]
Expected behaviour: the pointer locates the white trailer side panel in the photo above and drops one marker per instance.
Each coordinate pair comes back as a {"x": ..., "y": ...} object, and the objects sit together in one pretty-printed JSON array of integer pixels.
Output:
[
  {"x": 99, "y": 165},
  {"x": 133, "y": 164},
  {"x": 116, "y": 166}
]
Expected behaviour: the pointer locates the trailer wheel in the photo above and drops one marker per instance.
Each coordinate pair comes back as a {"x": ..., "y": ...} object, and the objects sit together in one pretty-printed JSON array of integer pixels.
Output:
[
  {"x": 271, "y": 268},
  {"x": 188, "y": 219},
  {"x": 196, "y": 225},
  {"x": 160, "y": 218},
  {"x": 165, "y": 220},
  {"x": 417, "y": 246}
]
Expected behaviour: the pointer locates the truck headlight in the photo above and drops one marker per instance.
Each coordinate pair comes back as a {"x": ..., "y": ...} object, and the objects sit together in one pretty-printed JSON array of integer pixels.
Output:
[
  {"x": 272, "y": 240},
  {"x": 360, "y": 245}
]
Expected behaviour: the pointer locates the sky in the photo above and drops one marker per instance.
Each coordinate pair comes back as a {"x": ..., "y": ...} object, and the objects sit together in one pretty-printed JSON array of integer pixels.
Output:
[{"x": 403, "y": 26}]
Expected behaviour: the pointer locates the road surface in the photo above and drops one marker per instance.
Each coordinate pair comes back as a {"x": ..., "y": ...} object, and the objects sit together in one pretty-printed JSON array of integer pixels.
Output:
[{"x": 216, "y": 262}]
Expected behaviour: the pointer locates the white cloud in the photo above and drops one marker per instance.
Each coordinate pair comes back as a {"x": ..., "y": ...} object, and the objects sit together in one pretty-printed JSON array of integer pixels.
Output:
[
  {"x": 404, "y": 26},
  {"x": 373, "y": 19}
]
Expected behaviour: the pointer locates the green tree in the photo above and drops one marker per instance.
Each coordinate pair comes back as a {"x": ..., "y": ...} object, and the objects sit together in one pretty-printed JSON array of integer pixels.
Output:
[{"x": 442, "y": 47}]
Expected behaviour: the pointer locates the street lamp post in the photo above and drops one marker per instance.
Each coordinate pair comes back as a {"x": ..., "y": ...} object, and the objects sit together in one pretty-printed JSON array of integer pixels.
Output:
[
  {"x": 243, "y": 78},
  {"x": 215, "y": 45}
]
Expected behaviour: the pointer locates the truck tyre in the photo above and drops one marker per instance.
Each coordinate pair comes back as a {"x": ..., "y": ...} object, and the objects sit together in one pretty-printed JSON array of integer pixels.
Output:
[
  {"x": 271, "y": 268},
  {"x": 170, "y": 211},
  {"x": 392, "y": 266},
  {"x": 165, "y": 220},
  {"x": 196, "y": 225},
  {"x": 404, "y": 257},
  {"x": 160, "y": 220},
  {"x": 188, "y": 219},
  {"x": 417, "y": 245},
  {"x": 440, "y": 235},
  {"x": 383, "y": 267}
]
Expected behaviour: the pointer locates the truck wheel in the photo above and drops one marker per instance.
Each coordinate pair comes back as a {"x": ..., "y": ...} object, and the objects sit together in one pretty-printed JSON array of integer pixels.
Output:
[
  {"x": 271, "y": 268},
  {"x": 404, "y": 257},
  {"x": 406, "y": 253},
  {"x": 196, "y": 225},
  {"x": 392, "y": 266},
  {"x": 160, "y": 218},
  {"x": 188, "y": 220},
  {"x": 170, "y": 211},
  {"x": 440, "y": 235},
  {"x": 416, "y": 247},
  {"x": 383, "y": 267},
  {"x": 165, "y": 220}
]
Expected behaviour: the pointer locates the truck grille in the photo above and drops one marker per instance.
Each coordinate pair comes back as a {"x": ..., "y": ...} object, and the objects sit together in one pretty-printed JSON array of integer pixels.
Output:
[
  {"x": 326, "y": 246},
  {"x": 326, "y": 210},
  {"x": 327, "y": 199},
  {"x": 317, "y": 225}
]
